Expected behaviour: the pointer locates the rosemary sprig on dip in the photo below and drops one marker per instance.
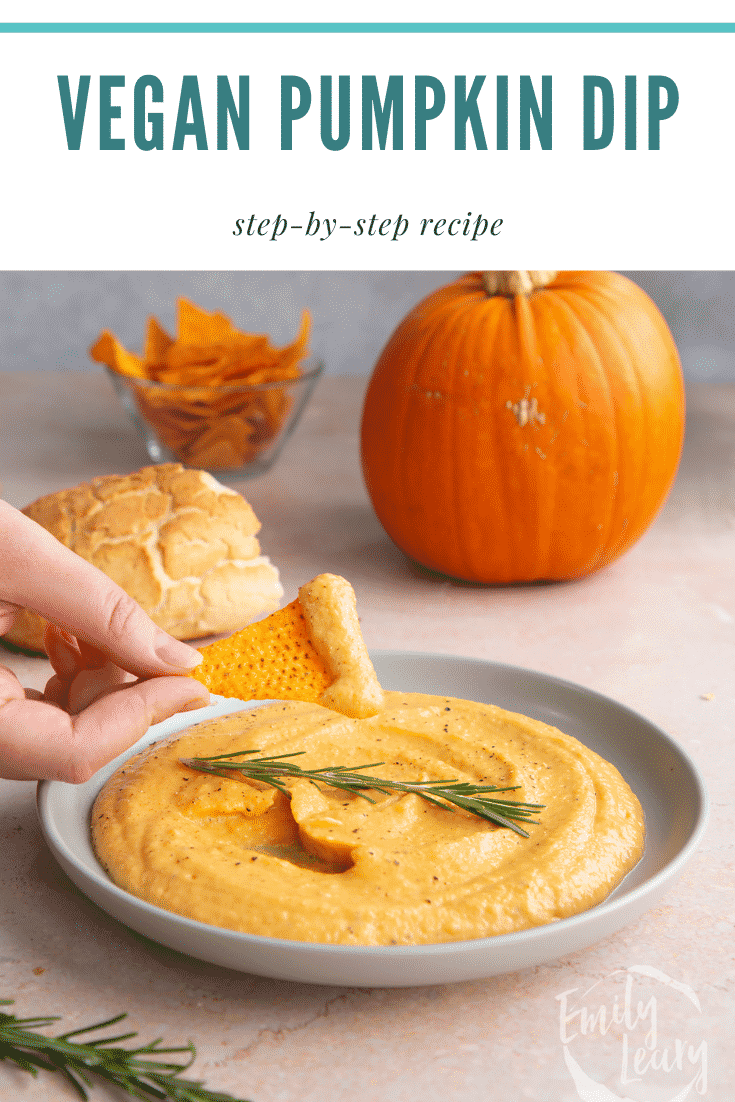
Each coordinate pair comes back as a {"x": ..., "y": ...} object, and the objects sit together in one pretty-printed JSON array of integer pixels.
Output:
[
  {"x": 121, "y": 1067},
  {"x": 478, "y": 799}
]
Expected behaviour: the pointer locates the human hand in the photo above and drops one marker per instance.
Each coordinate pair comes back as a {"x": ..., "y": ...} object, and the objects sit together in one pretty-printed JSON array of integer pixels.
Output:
[{"x": 110, "y": 662}]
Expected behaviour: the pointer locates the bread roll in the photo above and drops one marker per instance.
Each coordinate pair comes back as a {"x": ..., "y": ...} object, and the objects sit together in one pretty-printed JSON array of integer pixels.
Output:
[{"x": 177, "y": 541}]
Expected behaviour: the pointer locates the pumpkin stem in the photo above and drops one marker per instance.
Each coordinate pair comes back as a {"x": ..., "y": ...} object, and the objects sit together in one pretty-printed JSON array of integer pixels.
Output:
[{"x": 515, "y": 283}]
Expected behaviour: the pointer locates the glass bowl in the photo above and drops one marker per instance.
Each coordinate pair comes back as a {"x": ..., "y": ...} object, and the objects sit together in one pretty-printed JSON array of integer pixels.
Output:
[{"x": 236, "y": 429}]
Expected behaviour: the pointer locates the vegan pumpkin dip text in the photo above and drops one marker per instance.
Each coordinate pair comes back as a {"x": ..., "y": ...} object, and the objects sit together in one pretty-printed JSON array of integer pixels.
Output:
[{"x": 328, "y": 866}]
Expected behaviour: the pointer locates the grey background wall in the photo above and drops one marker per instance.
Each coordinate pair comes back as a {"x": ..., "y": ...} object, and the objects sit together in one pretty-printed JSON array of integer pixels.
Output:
[{"x": 49, "y": 319}]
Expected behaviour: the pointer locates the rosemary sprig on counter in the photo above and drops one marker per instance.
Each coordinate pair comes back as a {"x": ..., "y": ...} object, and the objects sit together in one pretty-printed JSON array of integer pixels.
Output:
[
  {"x": 122, "y": 1067},
  {"x": 478, "y": 799}
]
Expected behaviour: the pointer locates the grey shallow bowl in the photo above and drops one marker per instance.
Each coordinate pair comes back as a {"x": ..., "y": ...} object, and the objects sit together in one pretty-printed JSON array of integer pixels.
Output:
[{"x": 661, "y": 774}]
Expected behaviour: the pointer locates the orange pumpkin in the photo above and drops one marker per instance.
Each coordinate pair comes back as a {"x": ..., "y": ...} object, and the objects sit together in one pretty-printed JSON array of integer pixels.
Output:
[{"x": 524, "y": 425}]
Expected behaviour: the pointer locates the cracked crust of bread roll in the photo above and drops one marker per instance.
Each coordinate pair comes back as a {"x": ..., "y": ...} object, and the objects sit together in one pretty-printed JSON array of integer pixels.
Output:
[{"x": 181, "y": 544}]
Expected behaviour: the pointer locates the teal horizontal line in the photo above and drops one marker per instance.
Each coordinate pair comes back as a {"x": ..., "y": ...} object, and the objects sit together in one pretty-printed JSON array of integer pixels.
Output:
[{"x": 367, "y": 28}]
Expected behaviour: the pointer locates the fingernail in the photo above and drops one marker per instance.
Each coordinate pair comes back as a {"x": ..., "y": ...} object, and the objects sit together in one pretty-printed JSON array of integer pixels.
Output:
[
  {"x": 192, "y": 705},
  {"x": 177, "y": 654}
]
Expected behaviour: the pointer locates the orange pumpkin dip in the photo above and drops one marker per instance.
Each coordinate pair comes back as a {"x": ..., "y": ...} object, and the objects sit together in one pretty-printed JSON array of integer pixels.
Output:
[{"x": 327, "y": 866}]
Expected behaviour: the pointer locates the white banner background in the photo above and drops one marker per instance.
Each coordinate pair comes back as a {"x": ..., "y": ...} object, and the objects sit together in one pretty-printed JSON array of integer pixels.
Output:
[{"x": 562, "y": 208}]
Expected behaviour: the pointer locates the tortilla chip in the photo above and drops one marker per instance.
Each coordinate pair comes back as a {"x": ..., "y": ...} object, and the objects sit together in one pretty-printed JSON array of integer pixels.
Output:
[
  {"x": 157, "y": 344},
  {"x": 273, "y": 659},
  {"x": 108, "y": 350}
]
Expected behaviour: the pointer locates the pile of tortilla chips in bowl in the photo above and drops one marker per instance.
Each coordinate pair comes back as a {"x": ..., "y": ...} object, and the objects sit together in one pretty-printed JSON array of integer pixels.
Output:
[{"x": 214, "y": 397}]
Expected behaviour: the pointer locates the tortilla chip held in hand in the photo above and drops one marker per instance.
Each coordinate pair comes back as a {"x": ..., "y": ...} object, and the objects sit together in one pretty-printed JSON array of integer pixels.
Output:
[{"x": 311, "y": 650}]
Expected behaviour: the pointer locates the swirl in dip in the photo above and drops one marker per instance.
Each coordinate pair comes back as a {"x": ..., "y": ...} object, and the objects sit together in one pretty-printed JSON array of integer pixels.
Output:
[{"x": 328, "y": 866}]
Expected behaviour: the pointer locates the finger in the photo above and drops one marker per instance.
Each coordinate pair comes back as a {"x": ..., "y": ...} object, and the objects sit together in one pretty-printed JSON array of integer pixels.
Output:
[
  {"x": 89, "y": 685},
  {"x": 63, "y": 652},
  {"x": 82, "y": 672},
  {"x": 10, "y": 686},
  {"x": 40, "y": 741},
  {"x": 72, "y": 593},
  {"x": 56, "y": 692},
  {"x": 68, "y": 655},
  {"x": 7, "y": 616}
]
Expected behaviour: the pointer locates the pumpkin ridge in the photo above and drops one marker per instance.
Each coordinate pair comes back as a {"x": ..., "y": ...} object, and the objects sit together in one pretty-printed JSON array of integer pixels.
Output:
[
  {"x": 653, "y": 437},
  {"x": 448, "y": 331},
  {"x": 500, "y": 320},
  {"x": 600, "y": 556},
  {"x": 622, "y": 534},
  {"x": 542, "y": 308},
  {"x": 529, "y": 557},
  {"x": 455, "y": 524},
  {"x": 477, "y": 356},
  {"x": 432, "y": 330},
  {"x": 570, "y": 302},
  {"x": 491, "y": 526},
  {"x": 649, "y": 432},
  {"x": 455, "y": 338},
  {"x": 411, "y": 364}
]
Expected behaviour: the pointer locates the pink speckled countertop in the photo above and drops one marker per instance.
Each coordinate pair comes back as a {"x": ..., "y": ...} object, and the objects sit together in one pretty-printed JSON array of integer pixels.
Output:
[{"x": 656, "y": 631}]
